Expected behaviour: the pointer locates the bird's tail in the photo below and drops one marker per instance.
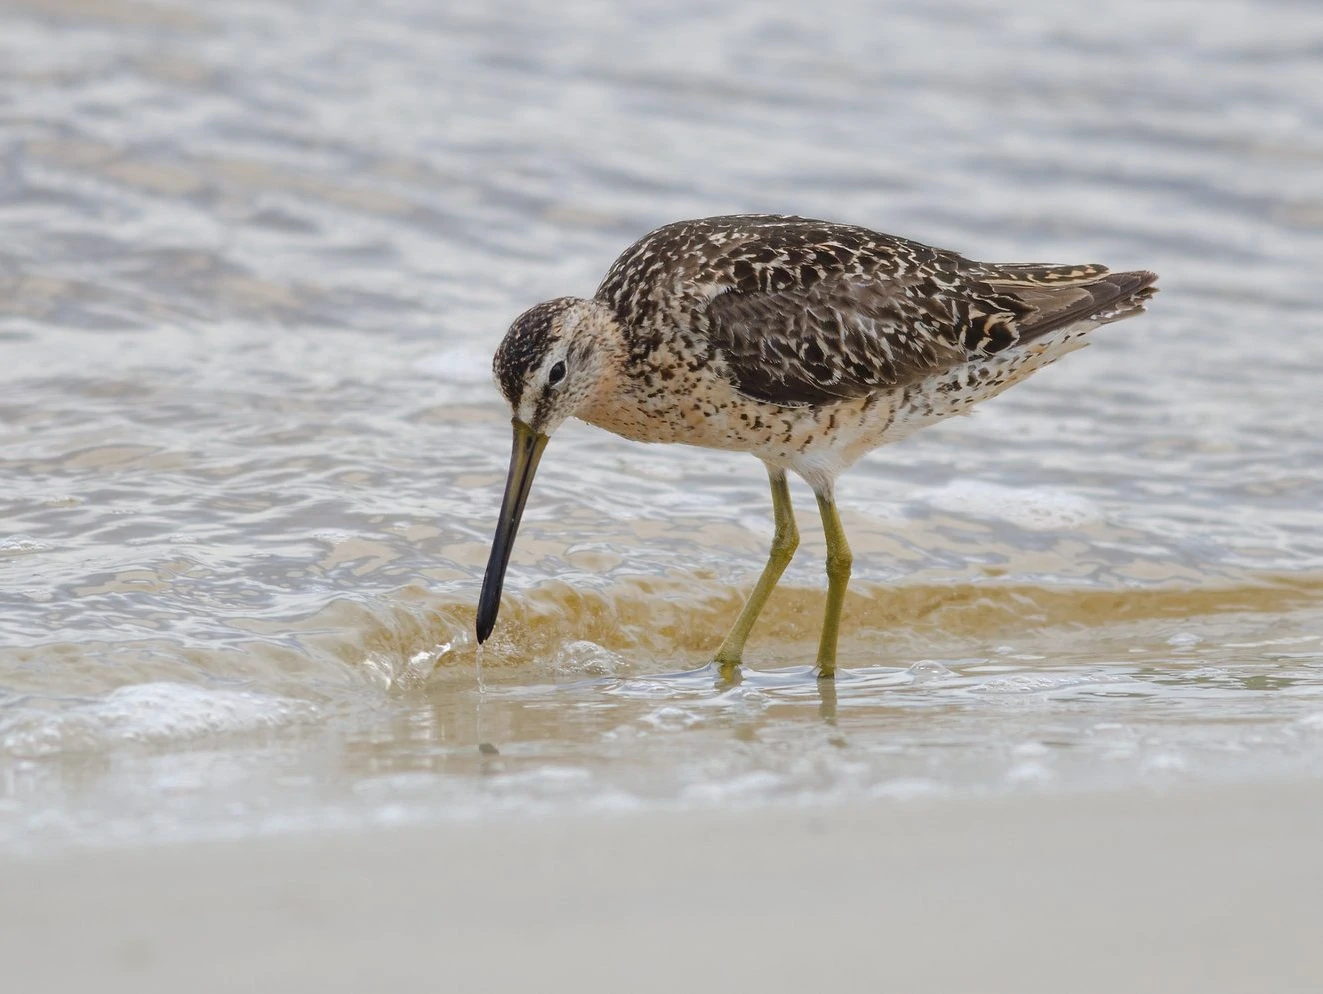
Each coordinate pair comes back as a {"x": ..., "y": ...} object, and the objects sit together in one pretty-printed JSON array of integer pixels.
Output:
[{"x": 1057, "y": 296}]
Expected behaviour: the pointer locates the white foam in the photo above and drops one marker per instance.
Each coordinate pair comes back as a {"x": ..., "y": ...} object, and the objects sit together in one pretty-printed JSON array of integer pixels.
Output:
[
  {"x": 671, "y": 719},
  {"x": 333, "y": 536},
  {"x": 908, "y": 788},
  {"x": 757, "y": 785},
  {"x": 929, "y": 671},
  {"x": 583, "y": 658},
  {"x": 1031, "y": 508},
  {"x": 21, "y": 545},
  {"x": 1166, "y": 762},
  {"x": 1029, "y": 772},
  {"x": 148, "y": 713}
]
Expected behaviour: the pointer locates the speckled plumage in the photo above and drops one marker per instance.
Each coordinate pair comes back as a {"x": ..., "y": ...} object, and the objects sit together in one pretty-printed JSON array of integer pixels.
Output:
[
  {"x": 750, "y": 331},
  {"x": 806, "y": 343}
]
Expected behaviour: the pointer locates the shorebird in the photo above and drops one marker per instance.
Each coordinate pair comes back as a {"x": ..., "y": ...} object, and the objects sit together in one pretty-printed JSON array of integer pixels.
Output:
[{"x": 806, "y": 343}]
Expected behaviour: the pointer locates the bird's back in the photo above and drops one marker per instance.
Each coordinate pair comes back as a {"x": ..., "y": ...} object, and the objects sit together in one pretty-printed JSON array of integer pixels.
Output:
[{"x": 795, "y": 311}]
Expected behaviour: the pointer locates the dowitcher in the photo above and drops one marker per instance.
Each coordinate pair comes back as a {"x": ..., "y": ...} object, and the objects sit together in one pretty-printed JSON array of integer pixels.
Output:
[{"x": 806, "y": 343}]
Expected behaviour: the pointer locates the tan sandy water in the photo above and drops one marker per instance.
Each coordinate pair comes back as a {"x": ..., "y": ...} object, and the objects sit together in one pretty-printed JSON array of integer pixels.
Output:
[{"x": 255, "y": 258}]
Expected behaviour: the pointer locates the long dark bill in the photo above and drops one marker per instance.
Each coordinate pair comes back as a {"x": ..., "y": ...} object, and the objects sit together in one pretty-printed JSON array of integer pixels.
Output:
[{"x": 524, "y": 456}]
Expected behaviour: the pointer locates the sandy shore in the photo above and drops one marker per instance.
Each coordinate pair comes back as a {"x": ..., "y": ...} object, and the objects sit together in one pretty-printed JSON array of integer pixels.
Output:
[{"x": 1209, "y": 892}]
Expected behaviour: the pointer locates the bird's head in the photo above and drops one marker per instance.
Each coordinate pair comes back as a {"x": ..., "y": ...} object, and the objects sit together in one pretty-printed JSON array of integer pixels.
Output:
[
  {"x": 552, "y": 359},
  {"x": 550, "y": 365}
]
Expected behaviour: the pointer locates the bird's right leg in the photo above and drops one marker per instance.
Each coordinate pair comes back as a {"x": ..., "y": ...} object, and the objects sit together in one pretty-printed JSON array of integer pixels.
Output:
[{"x": 784, "y": 542}]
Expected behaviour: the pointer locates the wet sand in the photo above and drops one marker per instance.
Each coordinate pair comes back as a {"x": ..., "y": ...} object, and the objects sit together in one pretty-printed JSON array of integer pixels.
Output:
[{"x": 1193, "y": 891}]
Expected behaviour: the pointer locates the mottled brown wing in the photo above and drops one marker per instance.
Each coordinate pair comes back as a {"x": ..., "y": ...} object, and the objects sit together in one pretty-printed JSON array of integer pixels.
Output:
[
  {"x": 849, "y": 335},
  {"x": 843, "y": 337}
]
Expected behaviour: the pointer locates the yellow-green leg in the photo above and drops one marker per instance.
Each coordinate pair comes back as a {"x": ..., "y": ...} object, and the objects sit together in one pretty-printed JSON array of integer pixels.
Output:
[
  {"x": 784, "y": 542},
  {"x": 839, "y": 559}
]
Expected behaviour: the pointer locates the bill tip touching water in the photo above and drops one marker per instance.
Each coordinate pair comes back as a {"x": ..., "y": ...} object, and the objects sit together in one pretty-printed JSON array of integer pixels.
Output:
[{"x": 805, "y": 343}]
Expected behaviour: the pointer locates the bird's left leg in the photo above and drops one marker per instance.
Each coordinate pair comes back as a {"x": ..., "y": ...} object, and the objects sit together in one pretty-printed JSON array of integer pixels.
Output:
[{"x": 839, "y": 560}]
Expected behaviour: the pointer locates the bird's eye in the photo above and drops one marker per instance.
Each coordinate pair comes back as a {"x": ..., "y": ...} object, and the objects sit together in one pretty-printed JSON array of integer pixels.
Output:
[{"x": 556, "y": 373}]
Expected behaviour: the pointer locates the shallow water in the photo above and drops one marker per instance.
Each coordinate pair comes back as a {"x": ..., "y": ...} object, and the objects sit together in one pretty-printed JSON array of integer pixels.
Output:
[{"x": 256, "y": 257}]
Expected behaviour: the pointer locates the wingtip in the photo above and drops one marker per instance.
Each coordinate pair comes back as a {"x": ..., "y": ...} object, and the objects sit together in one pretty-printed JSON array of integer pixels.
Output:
[
  {"x": 1145, "y": 286},
  {"x": 1147, "y": 279}
]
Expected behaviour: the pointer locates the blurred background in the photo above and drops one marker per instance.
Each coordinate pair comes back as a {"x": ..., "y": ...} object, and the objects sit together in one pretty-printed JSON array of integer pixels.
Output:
[{"x": 254, "y": 260}]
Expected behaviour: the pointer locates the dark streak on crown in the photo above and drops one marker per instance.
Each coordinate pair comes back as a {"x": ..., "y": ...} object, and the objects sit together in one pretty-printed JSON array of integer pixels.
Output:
[{"x": 526, "y": 344}]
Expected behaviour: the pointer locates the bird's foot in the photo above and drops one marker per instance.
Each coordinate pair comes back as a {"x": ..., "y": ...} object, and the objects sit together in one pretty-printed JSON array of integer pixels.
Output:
[{"x": 729, "y": 672}]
